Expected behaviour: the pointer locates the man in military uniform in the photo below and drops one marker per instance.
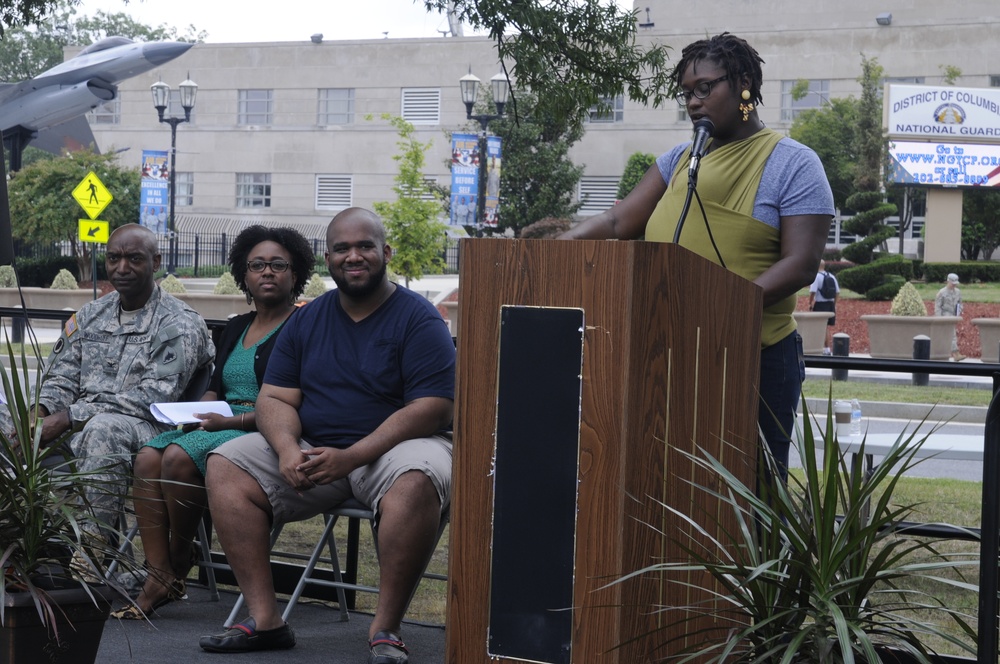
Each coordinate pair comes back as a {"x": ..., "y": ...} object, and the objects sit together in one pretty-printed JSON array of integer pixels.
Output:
[
  {"x": 948, "y": 302},
  {"x": 117, "y": 355}
]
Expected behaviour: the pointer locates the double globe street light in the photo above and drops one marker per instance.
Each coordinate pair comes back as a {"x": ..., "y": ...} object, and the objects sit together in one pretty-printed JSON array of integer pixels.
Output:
[
  {"x": 500, "y": 88},
  {"x": 161, "y": 97}
]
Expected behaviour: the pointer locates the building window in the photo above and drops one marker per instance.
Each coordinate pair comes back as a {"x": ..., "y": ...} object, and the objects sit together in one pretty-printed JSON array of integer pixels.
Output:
[
  {"x": 422, "y": 106},
  {"x": 905, "y": 80},
  {"x": 816, "y": 94},
  {"x": 995, "y": 81},
  {"x": 597, "y": 194},
  {"x": 253, "y": 190},
  {"x": 110, "y": 112},
  {"x": 255, "y": 107},
  {"x": 608, "y": 111},
  {"x": 183, "y": 189},
  {"x": 336, "y": 106},
  {"x": 334, "y": 192}
]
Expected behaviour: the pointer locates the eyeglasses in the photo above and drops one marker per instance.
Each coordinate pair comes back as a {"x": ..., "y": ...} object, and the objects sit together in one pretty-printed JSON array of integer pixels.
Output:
[
  {"x": 276, "y": 266},
  {"x": 701, "y": 91}
]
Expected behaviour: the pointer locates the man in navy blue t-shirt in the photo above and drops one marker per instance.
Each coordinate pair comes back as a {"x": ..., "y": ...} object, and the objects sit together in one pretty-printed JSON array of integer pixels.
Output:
[{"x": 357, "y": 401}]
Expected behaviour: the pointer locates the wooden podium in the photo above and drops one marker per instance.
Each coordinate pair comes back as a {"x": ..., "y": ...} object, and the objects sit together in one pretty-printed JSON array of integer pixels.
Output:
[{"x": 583, "y": 368}]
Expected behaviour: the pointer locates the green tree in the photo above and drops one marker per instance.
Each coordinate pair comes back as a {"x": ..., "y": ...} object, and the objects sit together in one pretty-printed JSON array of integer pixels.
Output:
[
  {"x": 868, "y": 200},
  {"x": 980, "y": 223},
  {"x": 414, "y": 231},
  {"x": 28, "y": 50},
  {"x": 829, "y": 131},
  {"x": 635, "y": 168},
  {"x": 577, "y": 51},
  {"x": 538, "y": 179},
  {"x": 42, "y": 208}
]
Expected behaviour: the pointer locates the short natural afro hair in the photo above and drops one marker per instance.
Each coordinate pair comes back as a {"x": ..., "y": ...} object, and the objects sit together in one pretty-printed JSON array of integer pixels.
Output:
[
  {"x": 303, "y": 258},
  {"x": 740, "y": 60}
]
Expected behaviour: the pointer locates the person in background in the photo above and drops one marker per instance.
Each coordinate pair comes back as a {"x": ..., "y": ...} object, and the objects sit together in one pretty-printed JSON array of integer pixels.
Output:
[
  {"x": 272, "y": 266},
  {"x": 948, "y": 302},
  {"x": 823, "y": 295},
  {"x": 766, "y": 199}
]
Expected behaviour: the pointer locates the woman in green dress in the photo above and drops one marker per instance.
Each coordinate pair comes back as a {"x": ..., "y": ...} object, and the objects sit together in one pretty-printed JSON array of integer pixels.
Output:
[{"x": 272, "y": 266}]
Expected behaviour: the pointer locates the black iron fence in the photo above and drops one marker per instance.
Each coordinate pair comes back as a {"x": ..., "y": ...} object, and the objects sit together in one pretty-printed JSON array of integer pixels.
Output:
[{"x": 196, "y": 254}]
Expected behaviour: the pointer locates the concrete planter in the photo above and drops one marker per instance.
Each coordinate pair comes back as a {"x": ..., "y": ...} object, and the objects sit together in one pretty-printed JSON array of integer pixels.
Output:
[
  {"x": 891, "y": 337},
  {"x": 989, "y": 338},
  {"x": 812, "y": 326},
  {"x": 209, "y": 305}
]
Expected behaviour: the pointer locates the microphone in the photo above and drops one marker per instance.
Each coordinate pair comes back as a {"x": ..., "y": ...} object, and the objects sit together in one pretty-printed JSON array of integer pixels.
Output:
[{"x": 703, "y": 130}]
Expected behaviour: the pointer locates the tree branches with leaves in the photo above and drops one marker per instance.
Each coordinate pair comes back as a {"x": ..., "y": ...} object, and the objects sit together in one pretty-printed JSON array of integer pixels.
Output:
[
  {"x": 42, "y": 208},
  {"x": 28, "y": 50},
  {"x": 579, "y": 52},
  {"x": 411, "y": 222}
]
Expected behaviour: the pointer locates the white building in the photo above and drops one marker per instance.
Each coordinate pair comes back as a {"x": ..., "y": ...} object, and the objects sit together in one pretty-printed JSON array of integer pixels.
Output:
[{"x": 281, "y": 131}]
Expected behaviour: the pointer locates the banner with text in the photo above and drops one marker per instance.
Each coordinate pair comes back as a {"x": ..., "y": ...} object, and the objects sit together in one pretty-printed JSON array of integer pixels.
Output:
[
  {"x": 155, "y": 191},
  {"x": 944, "y": 164},
  {"x": 943, "y": 112},
  {"x": 465, "y": 163}
]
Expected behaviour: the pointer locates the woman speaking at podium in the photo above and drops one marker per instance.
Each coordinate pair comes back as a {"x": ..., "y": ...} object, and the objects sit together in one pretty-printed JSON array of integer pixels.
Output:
[{"x": 764, "y": 211}]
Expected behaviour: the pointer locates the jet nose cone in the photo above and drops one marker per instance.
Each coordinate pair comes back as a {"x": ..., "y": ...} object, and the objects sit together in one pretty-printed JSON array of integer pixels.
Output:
[{"x": 158, "y": 53}]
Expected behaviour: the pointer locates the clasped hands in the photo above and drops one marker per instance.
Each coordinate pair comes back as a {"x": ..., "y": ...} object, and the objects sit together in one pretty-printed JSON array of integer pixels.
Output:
[{"x": 306, "y": 469}]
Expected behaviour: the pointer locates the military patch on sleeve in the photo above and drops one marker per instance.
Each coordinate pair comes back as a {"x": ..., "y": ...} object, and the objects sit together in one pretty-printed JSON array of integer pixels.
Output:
[
  {"x": 70, "y": 327},
  {"x": 59, "y": 346}
]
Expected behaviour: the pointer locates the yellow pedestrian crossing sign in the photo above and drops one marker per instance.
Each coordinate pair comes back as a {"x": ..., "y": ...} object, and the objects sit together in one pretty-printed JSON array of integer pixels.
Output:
[
  {"x": 93, "y": 231},
  {"x": 92, "y": 195}
]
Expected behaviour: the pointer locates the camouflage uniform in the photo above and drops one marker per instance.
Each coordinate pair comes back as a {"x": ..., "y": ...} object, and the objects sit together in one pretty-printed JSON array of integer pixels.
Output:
[
  {"x": 107, "y": 373},
  {"x": 948, "y": 303}
]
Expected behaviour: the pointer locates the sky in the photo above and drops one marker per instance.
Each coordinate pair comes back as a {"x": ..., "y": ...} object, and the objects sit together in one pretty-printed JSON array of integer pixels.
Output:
[
  {"x": 228, "y": 21},
  {"x": 283, "y": 20}
]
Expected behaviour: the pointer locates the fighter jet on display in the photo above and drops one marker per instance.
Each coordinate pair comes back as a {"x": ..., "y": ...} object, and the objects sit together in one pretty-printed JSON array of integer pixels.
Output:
[{"x": 75, "y": 87}]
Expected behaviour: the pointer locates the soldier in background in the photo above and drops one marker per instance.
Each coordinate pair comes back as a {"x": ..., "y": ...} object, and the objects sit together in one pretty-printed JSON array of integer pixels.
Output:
[
  {"x": 117, "y": 355},
  {"x": 948, "y": 302}
]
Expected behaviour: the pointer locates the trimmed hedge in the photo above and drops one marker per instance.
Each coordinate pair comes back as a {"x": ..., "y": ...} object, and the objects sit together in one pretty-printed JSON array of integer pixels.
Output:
[
  {"x": 863, "y": 278},
  {"x": 970, "y": 272},
  {"x": 39, "y": 272}
]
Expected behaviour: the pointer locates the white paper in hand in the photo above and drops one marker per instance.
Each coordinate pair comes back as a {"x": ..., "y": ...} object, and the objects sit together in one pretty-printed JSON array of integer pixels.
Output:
[{"x": 183, "y": 412}]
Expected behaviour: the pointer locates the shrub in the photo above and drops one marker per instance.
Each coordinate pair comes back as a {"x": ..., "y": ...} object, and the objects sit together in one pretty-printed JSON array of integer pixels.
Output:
[
  {"x": 64, "y": 280},
  {"x": 549, "y": 227},
  {"x": 315, "y": 287},
  {"x": 887, "y": 290},
  {"x": 226, "y": 285},
  {"x": 172, "y": 284},
  {"x": 39, "y": 272},
  {"x": 635, "y": 168},
  {"x": 863, "y": 278},
  {"x": 907, "y": 302},
  {"x": 8, "y": 278}
]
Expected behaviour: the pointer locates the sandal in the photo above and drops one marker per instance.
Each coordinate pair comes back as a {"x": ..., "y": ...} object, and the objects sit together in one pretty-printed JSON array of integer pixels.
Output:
[{"x": 176, "y": 591}]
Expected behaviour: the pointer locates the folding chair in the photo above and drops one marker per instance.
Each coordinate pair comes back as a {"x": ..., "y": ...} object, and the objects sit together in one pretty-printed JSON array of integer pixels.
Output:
[{"x": 351, "y": 509}]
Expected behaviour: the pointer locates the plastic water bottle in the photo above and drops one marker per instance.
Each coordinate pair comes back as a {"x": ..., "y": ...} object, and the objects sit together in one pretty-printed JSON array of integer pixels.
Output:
[{"x": 855, "y": 418}]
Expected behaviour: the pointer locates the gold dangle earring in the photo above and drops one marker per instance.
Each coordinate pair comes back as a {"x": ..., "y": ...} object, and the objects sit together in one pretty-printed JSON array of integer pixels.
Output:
[{"x": 745, "y": 107}]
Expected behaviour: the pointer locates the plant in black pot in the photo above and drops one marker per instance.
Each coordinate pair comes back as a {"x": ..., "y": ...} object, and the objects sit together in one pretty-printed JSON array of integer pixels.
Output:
[
  {"x": 54, "y": 600},
  {"x": 821, "y": 569}
]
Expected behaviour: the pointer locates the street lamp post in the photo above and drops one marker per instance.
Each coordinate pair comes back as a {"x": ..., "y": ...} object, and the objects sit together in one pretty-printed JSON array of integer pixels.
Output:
[
  {"x": 161, "y": 96},
  {"x": 469, "y": 85}
]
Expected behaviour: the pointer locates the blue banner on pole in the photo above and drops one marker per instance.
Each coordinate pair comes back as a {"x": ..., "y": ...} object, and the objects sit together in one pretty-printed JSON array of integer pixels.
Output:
[
  {"x": 155, "y": 190},
  {"x": 493, "y": 159},
  {"x": 464, "y": 179}
]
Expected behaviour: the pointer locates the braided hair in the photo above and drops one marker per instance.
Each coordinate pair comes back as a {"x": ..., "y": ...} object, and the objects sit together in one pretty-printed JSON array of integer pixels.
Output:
[{"x": 740, "y": 60}]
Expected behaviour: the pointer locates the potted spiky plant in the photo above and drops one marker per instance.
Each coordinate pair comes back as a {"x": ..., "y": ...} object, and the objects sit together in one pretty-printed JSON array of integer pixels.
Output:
[
  {"x": 819, "y": 569},
  {"x": 54, "y": 599}
]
